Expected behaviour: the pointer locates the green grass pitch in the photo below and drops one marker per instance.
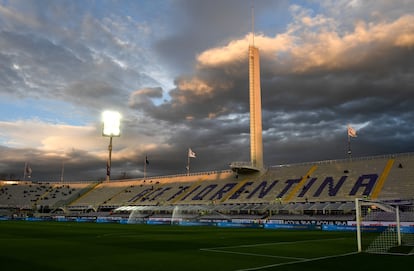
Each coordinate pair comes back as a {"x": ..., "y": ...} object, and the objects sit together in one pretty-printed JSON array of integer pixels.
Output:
[{"x": 89, "y": 246}]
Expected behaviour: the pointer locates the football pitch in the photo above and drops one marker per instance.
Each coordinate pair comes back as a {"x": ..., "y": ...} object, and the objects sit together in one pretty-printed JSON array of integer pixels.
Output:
[{"x": 90, "y": 246}]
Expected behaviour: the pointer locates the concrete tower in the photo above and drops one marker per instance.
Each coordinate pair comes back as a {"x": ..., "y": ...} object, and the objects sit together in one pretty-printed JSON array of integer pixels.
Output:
[
  {"x": 255, "y": 98},
  {"x": 256, "y": 142}
]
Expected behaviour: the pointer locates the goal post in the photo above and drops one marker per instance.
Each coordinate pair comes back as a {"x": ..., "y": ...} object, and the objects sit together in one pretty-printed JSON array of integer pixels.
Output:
[
  {"x": 381, "y": 228},
  {"x": 358, "y": 224}
]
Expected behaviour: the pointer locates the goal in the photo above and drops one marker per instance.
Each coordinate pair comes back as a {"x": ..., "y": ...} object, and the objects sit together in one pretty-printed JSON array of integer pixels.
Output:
[{"x": 383, "y": 227}]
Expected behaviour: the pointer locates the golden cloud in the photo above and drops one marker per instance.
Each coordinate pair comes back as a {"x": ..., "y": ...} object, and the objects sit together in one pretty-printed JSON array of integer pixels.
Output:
[{"x": 305, "y": 48}]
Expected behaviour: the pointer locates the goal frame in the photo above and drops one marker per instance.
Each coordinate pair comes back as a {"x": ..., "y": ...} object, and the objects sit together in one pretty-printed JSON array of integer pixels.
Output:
[{"x": 364, "y": 202}]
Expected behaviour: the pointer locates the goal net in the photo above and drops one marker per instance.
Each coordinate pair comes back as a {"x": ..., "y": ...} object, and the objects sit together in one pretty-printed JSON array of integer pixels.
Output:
[{"x": 384, "y": 227}]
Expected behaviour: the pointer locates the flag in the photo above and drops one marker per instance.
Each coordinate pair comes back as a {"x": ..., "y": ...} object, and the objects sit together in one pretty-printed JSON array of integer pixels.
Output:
[
  {"x": 351, "y": 132},
  {"x": 191, "y": 154},
  {"x": 146, "y": 160}
]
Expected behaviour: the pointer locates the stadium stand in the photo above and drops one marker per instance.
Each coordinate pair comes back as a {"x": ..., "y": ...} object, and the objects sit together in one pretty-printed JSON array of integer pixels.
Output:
[
  {"x": 28, "y": 195},
  {"x": 315, "y": 191}
]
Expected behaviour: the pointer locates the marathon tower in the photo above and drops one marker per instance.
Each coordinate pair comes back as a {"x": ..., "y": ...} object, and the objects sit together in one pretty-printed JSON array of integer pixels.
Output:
[
  {"x": 256, "y": 142},
  {"x": 255, "y": 99}
]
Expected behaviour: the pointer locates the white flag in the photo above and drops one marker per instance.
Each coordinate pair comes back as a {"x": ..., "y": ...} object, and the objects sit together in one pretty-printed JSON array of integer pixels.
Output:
[
  {"x": 351, "y": 132},
  {"x": 191, "y": 154}
]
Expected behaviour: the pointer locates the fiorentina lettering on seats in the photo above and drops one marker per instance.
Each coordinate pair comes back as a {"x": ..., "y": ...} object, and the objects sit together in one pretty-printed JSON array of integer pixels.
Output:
[
  {"x": 181, "y": 189},
  {"x": 204, "y": 192},
  {"x": 191, "y": 192},
  {"x": 147, "y": 196},
  {"x": 329, "y": 187},
  {"x": 137, "y": 196},
  {"x": 239, "y": 191},
  {"x": 307, "y": 186},
  {"x": 263, "y": 189},
  {"x": 289, "y": 184},
  {"x": 368, "y": 181},
  {"x": 160, "y": 193},
  {"x": 226, "y": 188},
  {"x": 332, "y": 188}
]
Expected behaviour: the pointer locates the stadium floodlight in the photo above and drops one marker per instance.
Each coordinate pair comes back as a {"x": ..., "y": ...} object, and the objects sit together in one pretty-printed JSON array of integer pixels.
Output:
[
  {"x": 111, "y": 127},
  {"x": 111, "y": 122}
]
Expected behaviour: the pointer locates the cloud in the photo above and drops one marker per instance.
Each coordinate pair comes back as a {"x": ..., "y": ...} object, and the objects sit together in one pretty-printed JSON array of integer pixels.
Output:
[
  {"x": 314, "y": 58},
  {"x": 143, "y": 97},
  {"x": 81, "y": 148},
  {"x": 180, "y": 80},
  {"x": 317, "y": 76},
  {"x": 300, "y": 50},
  {"x": 47, "y": 136}
]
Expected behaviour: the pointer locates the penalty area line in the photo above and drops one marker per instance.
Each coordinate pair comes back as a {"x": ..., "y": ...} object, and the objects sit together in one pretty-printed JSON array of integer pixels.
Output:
[
  {"x": 250, "y": 254},
  {"x": 276, "y": 243},
  {"x": 296, "y": 262}
]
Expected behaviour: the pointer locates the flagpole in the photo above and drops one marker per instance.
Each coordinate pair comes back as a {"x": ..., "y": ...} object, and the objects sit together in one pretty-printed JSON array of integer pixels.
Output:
[
  {"x": 145, "y": 167},
  {"x": 24, "y": 171},
  {"x": 351, "y": 133},
  {"x": 190, "y": 154},
  {"x": 188, "y": 164},
  {"x": 62, "y": 171}
]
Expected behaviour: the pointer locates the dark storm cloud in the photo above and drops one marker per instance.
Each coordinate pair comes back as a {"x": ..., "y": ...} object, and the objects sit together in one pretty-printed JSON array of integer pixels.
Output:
[
  {"x": 40, "y": 54},
  {"x": 33, "y": 65},
  {"x": 323, "y": 65},
  {"x": 202, "y": 24},
  {"x": 46, "y": 167},
  {"x": 216, "y": 144},
  {"x": 309, "y": 95}
]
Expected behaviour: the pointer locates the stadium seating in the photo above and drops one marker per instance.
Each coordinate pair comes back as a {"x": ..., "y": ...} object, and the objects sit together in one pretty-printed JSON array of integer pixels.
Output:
[
  {"x": 33, "y": 195},
  {"x": 319, "y": 188}
]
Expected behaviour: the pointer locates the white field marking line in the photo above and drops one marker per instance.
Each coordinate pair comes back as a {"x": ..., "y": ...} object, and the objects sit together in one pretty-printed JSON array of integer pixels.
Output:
[
  {"x": 251, "y": 254},
  {"x": 390, "y": 253},
  {"x": 302, "y": 261},
  {"x": 270, "y": 244},
  {"x": 119, "y": 234}
]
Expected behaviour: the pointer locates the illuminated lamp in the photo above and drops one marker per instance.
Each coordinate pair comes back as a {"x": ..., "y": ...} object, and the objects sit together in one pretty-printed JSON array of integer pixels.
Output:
[{"x": 111, "y": 128}]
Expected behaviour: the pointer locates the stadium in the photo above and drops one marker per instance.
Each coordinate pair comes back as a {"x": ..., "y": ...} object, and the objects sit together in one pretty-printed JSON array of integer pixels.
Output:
[
  {"x": 245, "y": 221},
  {"x": 312, "y": 193},
  {"x": 249, "y": 217}
]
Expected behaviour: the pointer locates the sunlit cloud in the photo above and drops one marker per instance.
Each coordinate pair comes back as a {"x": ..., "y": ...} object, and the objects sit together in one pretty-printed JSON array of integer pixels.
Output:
[
  {"x": 196, "y": 86},
  {"x": 300, "y": 50},
  {"x": 46, "y": 136},
  {"x": 144, "y": 96}
]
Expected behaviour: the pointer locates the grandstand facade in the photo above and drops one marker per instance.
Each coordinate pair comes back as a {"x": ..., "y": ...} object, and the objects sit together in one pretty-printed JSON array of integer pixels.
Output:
[{"x": 295, "y": 191}]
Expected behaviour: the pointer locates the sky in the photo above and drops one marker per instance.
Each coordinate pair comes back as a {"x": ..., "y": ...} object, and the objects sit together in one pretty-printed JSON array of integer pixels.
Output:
[{"x": 177, "y": 71}]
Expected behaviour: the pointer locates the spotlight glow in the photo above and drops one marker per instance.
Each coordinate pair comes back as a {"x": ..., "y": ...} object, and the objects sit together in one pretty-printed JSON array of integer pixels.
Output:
[{"x": 111, "y": 123}]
